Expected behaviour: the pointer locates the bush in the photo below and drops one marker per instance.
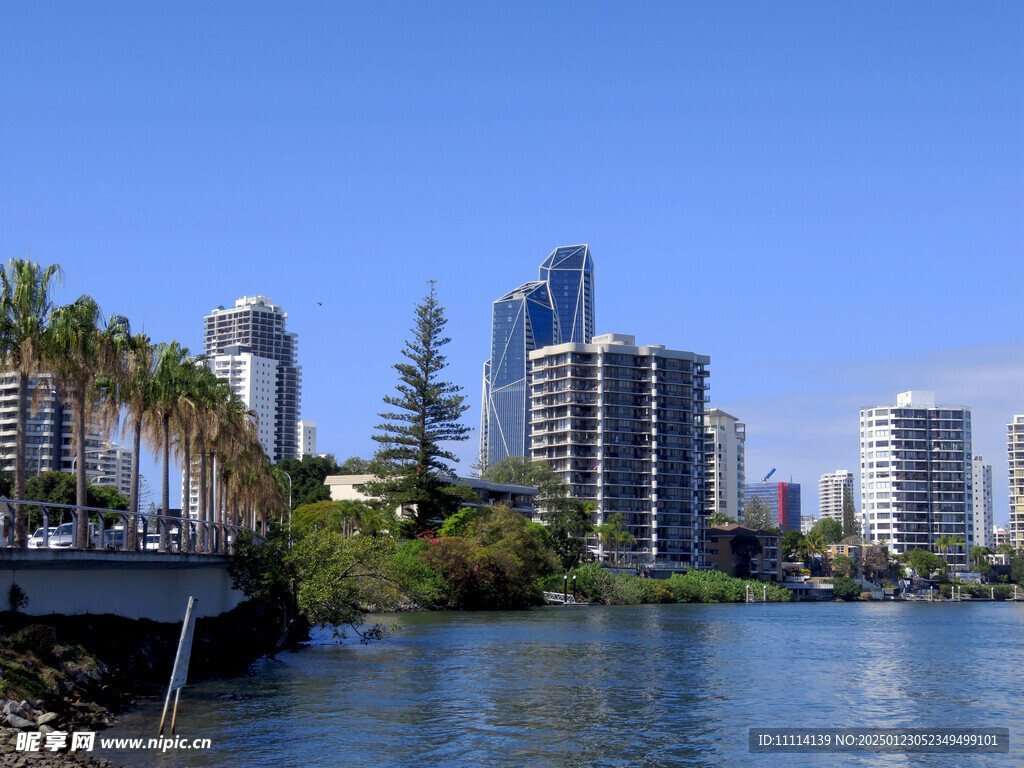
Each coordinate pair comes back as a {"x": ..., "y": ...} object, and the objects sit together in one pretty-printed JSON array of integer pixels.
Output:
[{"x": 845, "y": 588}]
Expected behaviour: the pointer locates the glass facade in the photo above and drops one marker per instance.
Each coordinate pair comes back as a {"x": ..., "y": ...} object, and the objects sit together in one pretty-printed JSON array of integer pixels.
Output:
[
  {"x": 522, "y": 320},
  {"x": 557, "y": 308},
  {"x": 569, "y": 274}
]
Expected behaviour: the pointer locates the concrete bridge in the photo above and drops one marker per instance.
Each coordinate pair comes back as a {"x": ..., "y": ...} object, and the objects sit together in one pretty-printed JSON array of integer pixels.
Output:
[{"x": 147, "y": 576}]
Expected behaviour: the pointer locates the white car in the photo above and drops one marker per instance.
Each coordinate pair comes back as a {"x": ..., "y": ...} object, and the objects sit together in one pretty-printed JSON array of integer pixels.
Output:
[
  {"x": 64, "y": 536},
  {"x": 36, "y": 539}
]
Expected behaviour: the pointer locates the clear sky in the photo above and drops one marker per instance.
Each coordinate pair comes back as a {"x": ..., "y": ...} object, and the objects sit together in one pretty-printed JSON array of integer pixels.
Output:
[{"x": 826, "y": 198}]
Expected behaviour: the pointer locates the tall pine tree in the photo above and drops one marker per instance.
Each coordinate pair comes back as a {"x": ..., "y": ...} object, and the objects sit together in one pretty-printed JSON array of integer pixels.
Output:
[
  {"x": 411, "y": 466},
  {"x": 850, "y": 525}
]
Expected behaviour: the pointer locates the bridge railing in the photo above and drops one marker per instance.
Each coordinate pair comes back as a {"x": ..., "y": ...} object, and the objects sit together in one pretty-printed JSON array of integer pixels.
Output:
[{"x": 116, "y": 530}]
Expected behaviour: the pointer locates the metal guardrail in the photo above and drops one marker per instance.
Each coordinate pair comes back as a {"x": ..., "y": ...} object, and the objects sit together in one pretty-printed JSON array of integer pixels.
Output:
[
  {"x": 559, "y": 598},
  {"x": 153, "y": 532}
]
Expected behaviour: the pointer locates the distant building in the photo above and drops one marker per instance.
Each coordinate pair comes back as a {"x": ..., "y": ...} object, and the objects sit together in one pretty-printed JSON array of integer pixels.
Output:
[
  {"x": 623, "y": 426},
  {"x": 831, "y": 488},
  {"x": 51, "y": 445},
  {"x": 307, "y": 437},
  {"x": 249, "y": 346},
  {"x": 916, "y": 475},
  {"x": 807, "y": 523},
  {"x": 1015, "y": 457},
  {"x": 783, "y": 499},
  {"x": 999, "y": 535},
  {"x": 720, "y": 555},
  {"x": 725, "y": 475},
  {"x": 983, "y": 522}
]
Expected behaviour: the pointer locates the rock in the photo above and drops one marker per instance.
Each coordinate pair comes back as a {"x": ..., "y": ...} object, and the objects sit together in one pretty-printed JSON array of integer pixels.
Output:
[
  {"x": 20, "y": 722},
  {"x": 45, "y": 729},
  {"x": 49, "y": 717},
  {"x": 93, "y": 706}
]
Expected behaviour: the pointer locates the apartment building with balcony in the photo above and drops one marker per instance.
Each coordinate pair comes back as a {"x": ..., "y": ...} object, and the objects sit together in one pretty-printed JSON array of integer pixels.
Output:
[
  {"x": 726, "y": 472},
  {"x": 916, "y": 476},
  {"x": 832, "y": 486},
  {"x": 50, "y": 440},
  {"x": 1015, "y": 459},
  {"x": 623, "y": 425},
  {"x": 984, "y": 522},
  {"x": 255, "y": 327}
]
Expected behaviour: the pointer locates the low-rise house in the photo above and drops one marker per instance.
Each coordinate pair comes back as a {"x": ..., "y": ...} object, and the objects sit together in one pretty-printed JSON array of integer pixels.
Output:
[
  {"x": 728, "y": 548},
  {"x": 521, "y": 498}
]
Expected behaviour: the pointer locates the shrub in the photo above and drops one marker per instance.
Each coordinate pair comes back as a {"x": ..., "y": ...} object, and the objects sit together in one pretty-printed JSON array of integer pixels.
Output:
[{"x": 845, "y": 588}]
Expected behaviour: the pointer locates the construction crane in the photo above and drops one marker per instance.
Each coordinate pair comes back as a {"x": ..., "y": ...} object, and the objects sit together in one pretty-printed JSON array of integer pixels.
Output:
[{"x": 765, "y": 478}]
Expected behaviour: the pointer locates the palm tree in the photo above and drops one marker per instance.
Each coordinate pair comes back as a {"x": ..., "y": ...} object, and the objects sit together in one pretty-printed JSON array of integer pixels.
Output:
[
  {"x": 136, "y": 394},
  {"x": 25, "y": 308},
  {"x": 813, "y": 544},
  {"x": 78, "y": 348},
  {"x": 170, "y": 376}
]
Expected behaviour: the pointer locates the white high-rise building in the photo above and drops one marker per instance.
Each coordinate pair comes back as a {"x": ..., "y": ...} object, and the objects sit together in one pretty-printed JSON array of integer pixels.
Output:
[
  {"x": 254, "y": 380},
  {"x": 916, "y": 470},
  {"x": 726, "y": 472},
  {"x": 623, "y": 425},
  {"x": 256, "y": 327},
  {"x": 984, "y": 533},
  {"x": 831, "y": 488},
  {"x": 50, "y": 439},
  {"x": 307, "y": 437},
  {"x": 1015, "y": 456}
]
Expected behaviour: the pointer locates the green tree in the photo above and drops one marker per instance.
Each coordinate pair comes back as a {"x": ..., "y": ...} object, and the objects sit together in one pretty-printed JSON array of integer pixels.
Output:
[
  {"x": 345, "y": 517},
  {"x": 170, "y": 384},
  {"x": 615, "y": 534},
  {"x": 850, "y": 525},
  {"x": 757, "y": 515},
  {"x": 875, "y": 561},
  {"x": 845, "y": 588},
  {"x": 307, "y": 478},
  {"x": 744, "y": 547},
  {"x": 831, "y": 531},
  {"x": 569, "y": 524},
  {"x": 411, "y": 464},
  {"x": 926, "y": 564},
  {"x": 25, "y": 309},
  {"x": 719, "y": 518},
  {"x": 79, "y": 347},
  {"x": 844, "y": 565},
  {"x": 520, "y": 470},
  {"x": 1017, "y": 570},
  {"x": 792, "y": 544},
  {"x": 353, "y": 465}
]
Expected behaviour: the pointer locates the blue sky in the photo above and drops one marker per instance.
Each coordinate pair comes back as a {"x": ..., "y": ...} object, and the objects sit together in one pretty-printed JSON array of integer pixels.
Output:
[{"x": 825, "y": 198}]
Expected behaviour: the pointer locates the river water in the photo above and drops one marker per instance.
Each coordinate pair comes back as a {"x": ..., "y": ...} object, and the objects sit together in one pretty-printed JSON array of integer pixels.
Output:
[{"x": 654, "y": 685}]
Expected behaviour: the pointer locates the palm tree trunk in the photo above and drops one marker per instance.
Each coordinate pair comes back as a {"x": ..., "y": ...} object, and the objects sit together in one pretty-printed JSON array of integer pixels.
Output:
[
  {"x": 131, "y": 524},
  {"x": 165, "y": 482},
  {"x": 20, "y": 514},
  {"x": 185, "y": 527},
  {"x": 203, "y": 509},
  {"x": 81, "y": 499}
]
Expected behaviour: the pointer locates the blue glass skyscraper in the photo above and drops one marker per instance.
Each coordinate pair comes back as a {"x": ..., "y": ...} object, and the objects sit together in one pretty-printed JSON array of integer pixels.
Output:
[
  {"x": 555, "y": 309},
  {"x": 569, "y": 274}
]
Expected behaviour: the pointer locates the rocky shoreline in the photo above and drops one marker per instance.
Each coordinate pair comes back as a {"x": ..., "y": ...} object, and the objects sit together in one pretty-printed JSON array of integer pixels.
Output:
[{"x": 76, "y": 673}]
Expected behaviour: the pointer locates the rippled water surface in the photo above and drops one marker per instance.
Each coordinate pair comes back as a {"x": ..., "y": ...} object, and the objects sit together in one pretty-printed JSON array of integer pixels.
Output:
[{"x": 659, "y": 685}]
